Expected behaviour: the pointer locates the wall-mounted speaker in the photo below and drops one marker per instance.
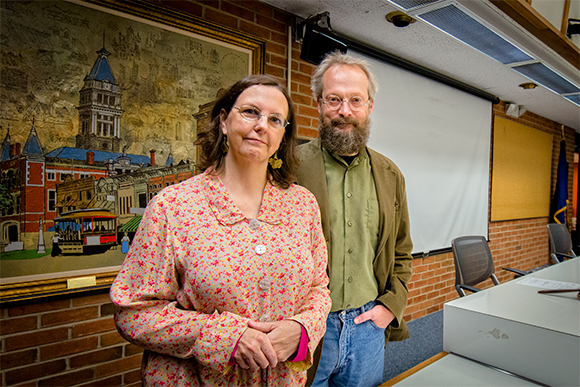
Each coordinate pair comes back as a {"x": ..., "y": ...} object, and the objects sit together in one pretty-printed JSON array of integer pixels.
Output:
[{"x": 317, "y": 43}]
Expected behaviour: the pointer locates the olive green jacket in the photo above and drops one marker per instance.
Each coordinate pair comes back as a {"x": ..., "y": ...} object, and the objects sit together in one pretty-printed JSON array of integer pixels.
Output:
[{"x": 393, "y": 261}]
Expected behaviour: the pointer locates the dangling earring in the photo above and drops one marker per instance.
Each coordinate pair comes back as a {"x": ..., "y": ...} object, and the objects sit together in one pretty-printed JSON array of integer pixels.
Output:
[
  {"x": 274, "y": 161},
  {"x": 225, "y": 145}
]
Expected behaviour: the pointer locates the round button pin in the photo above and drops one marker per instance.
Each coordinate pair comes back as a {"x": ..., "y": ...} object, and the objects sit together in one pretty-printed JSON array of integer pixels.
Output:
[
  {"x": 260, "y": 249},
  {"x": 264, "y": 284},
  {"x": 254, "y": 224}
]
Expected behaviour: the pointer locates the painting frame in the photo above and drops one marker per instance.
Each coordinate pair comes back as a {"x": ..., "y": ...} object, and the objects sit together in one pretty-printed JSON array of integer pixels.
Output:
[{"x": 38, "y": 286}]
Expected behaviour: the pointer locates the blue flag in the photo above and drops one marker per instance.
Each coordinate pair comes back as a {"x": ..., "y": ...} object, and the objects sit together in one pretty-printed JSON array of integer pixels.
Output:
[{"x": 560, "y": 198}]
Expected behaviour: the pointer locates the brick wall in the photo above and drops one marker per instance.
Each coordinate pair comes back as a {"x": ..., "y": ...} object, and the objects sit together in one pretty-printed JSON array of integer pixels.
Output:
[{"x": 72, "y": 341}]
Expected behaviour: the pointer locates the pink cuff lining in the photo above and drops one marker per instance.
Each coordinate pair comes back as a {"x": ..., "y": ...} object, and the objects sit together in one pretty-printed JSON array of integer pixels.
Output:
[
  {"x": 232, "y": 360},
  {"x": 302, "y": 347}
]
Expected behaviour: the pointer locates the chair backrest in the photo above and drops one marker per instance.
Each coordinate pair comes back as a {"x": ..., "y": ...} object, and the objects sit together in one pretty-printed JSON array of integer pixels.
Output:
[
  {"x": 560, "y": 241},
  {"x": 473, "y": 261}
]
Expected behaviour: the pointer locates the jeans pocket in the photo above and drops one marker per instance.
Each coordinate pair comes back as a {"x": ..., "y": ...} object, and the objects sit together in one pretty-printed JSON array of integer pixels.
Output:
[{"x": 375, "y": 326}]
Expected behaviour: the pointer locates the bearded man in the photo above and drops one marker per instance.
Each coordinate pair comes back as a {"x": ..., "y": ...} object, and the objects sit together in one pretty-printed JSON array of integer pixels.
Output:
[{"x": 363, "y": 205}]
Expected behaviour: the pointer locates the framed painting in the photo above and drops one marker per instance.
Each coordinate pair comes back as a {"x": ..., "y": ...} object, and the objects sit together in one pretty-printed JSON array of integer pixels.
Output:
[{"x": 100, "y": 101}]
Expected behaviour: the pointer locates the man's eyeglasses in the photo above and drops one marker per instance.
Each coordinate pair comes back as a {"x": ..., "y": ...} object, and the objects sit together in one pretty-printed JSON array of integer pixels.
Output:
[
  {"x": 250, "y": 113},
  {"x": 334, "y": 102}
]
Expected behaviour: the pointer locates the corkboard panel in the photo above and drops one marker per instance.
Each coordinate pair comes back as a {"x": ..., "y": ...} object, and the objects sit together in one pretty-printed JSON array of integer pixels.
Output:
[{"x": 521, "y": 175}]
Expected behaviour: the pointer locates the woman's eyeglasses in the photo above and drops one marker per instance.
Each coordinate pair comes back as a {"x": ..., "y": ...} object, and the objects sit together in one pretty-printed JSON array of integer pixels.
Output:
[
  {"x": 250, "y": 113},
  {"x": 334, "y": 102}
]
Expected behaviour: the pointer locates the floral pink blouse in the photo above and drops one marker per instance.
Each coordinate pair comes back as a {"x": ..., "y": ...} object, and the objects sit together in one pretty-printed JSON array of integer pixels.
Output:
[{"x": 198, "y": 270}]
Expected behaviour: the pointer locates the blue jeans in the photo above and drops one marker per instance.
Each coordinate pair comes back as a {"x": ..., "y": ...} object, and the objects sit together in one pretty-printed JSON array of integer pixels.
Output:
[{"x": 352, "y": 355}]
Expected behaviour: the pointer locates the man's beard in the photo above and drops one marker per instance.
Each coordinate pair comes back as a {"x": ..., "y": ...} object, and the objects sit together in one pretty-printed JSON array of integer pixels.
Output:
[{"x": 344, "y": 143}]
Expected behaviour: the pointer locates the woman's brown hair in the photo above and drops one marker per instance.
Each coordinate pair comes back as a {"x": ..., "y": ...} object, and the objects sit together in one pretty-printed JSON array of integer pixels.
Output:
[{"x": 211, "y": 139}]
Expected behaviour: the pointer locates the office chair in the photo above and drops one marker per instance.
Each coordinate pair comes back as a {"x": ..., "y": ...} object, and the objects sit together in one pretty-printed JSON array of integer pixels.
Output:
[
  {"x": 474, "y": 263},
  {"x": 560, "y": 242}
]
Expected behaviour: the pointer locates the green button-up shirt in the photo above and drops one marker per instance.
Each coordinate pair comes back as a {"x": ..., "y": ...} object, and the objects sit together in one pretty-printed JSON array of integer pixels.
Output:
[{"x": 354, "y": 227}]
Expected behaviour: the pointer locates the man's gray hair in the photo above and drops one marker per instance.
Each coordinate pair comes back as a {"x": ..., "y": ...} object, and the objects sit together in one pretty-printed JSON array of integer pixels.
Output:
[{"x": 337, "y": 58}]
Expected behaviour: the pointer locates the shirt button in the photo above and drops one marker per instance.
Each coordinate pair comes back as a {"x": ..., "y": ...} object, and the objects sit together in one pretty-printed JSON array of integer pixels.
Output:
[
  {"x": 349, "y": 224},
  {"x": 348, "y": 195},
  {"x": 264, "y": 284},
  {"x": 265, "y": 318},
  {"x": 254, "y": 224},
  {"x": 350, "y": 251},
  {"x": 260, "y": 249},
  {"x": 350, "y": 279}
]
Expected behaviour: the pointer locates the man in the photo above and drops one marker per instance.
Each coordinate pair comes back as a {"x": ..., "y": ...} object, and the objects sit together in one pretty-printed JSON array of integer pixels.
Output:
[{"x": 363, "y": 205}]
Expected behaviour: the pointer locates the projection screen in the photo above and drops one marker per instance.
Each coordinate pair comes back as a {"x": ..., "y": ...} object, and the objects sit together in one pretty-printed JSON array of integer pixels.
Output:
[{"x": 440, "y": 138}]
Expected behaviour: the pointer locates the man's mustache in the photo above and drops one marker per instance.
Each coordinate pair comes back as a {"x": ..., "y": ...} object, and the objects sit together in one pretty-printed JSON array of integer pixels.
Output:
[{"x": 344, "y": 120}]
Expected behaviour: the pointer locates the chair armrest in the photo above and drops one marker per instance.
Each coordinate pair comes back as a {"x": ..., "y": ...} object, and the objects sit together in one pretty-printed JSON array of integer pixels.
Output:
[
  {"x": 470, "y": 288},
  {"x": 519, "y": 273},
  {"x": 556, "y": 255}
]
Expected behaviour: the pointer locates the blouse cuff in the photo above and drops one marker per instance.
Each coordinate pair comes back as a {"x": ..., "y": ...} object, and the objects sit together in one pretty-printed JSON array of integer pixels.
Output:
[
  {"x": 302, "y": 347},
  {"x": 232, "y": 360}
]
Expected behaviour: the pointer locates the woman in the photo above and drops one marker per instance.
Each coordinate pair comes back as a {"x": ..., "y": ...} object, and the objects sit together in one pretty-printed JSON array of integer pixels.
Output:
[{"x": 225, "y": 282}]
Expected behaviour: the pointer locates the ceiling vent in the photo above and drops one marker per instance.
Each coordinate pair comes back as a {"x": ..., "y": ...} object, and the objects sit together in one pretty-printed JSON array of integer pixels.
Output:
[
  {"x": 573, "y": 98},
  {"x": 541, "y": 74},
  {"x": 463, "y": 27},
  {"x": 483, "y": 27}
]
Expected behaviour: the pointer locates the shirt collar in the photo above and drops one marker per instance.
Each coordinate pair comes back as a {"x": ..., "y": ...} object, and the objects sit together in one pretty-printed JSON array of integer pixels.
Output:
[
  {"x": 360, "y": 157},
  {"x": 227, "y": 213}
]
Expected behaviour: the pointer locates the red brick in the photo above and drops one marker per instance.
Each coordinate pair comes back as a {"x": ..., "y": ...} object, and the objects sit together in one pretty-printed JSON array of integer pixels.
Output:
[
  {"x": 132, "y": 377},
  {"x": 117, "y": 366},
  {"x": 278, "y": 61},
  {"x": 133, "y": 349},
  {"x": 222, "y": 18},
  {"x": 277, "y": 37},
  {"x": 17, "y": 325},
  {"x": 271, "y": 23},
  {"x": 69, "y": 316},
  {"x": 111, "y": 338},
  {"x": 210, "y": 3},
  {"x": 35, "y": 339},
  {"x": 38, "y": 308},
  {"x": 275, "y": 48},
  {"x": 258, "y": 7},
  {"x": 107, "y": 310},
  {"x": 34, "y": 372},
  {"x": 307, "y": 110},
  {"x": 276, "y": 71},
  {"x": 96, "y": 357},
  {"x": 233, "y": 9},
  {"x": 68, "y": 347},
  {"x": 255, "y": 29},
  {"x": 93, "y": 299},
  {"x": 113, "y": 381},
  {"x": 92, "y": 327},
  {"x": 301, "y": 99},
  {"x": 68, "y": 379},
  {"x": 307, "y": 133},
  {"x": 18, "y": 359}
]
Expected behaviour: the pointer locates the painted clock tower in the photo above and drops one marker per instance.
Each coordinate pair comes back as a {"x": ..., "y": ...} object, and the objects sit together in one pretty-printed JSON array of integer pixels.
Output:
[{"x": 100, "y": 108}]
